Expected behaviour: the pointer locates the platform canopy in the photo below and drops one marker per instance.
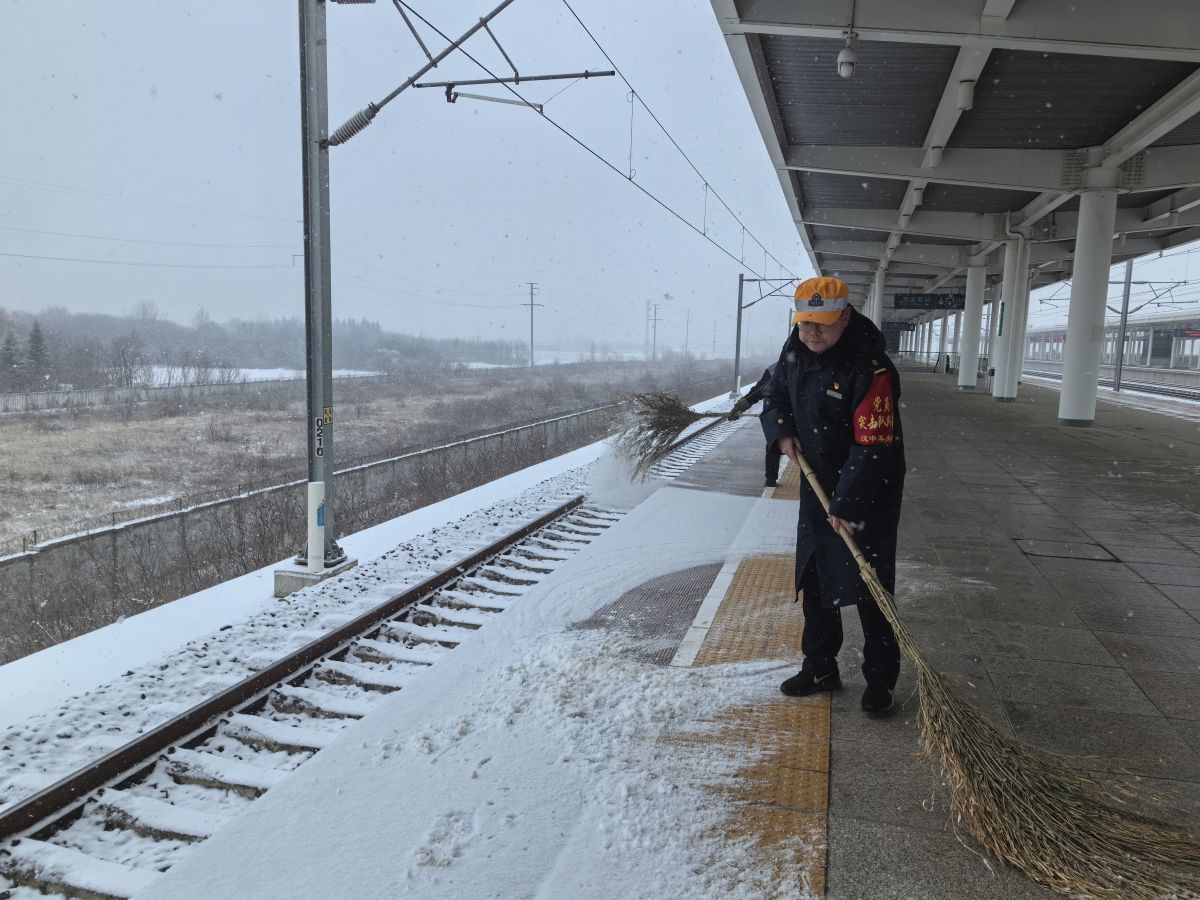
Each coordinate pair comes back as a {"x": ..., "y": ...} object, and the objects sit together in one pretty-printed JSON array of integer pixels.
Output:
[{"x": 967, "y": 122}]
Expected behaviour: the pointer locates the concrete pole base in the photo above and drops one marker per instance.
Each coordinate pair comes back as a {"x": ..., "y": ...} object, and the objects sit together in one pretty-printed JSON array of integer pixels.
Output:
[
  {"x": 966, "y": 387},
  {"x": 1005, "y": 399},
  {"x": 1077, "y": 423},
  {"x": 294, "y": 578}
]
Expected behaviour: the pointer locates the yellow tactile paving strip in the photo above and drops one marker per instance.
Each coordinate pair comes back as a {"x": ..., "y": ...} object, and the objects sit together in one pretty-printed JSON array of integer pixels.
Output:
[
  {"x": 789, "y": 484},
  {"x": 781, "y": 795}
]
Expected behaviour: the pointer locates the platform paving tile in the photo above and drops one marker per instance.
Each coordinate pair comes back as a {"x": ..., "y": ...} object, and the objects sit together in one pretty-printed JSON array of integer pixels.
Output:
[
  {"x": 1158, "y": 623},
  {"x": 1174, "y": 694},
  {"x": 1040, "y": 681},
  {"x": 1108, "y": 741},
  {"x": 1058, "y": 568},
  {"x": 905, "y": 792},
  {"x": 1169, "y": 556},
  {"x": 1184, "y": 596},
  {"x": 1040, "y": 642},
  {"x": 1156, "y": 654},
  {"x": 1116, "y": 596},
  {"x": 882, "y": 861},
  {"x": 1049, "y": 530},
  {"x": 1012, "y": 606},
  {"x": 1186, "y": 575},
  {"x": 1098, "y": 595},
  {"x": 941, "y": 633},
  {"x": 1189, "y": 730},
  {"x": 1166, "y": 798},
  {"x": 1146, "y": 538}
]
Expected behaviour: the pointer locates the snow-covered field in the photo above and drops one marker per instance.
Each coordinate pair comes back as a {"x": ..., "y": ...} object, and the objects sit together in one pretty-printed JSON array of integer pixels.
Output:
[{"x": 167, "y": 375}]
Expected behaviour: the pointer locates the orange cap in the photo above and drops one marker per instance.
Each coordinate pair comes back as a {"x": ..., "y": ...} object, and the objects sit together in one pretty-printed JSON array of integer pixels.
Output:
[{"x": 821, "y": 300}]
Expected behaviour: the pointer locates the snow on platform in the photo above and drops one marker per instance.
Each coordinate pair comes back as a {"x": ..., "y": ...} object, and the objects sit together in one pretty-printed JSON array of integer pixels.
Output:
[{"x": 533, "y": 761}]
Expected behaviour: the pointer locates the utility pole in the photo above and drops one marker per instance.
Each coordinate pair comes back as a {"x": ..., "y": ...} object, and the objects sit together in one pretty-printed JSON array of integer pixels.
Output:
[
  {"x": 737, "y": 347},
  {"x": 1121, "y": 332},
  {"x": 531, "y": 305},
  {"x": 646, "y": 329},
  {"x": 654, "y": 333},
  {"x": 321, "y": 549}
]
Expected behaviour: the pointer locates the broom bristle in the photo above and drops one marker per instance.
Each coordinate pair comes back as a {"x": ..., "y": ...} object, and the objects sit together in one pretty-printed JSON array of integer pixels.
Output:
[
  {"x": 1064, "y": 828},
  {"x": 652, "y": 424}
]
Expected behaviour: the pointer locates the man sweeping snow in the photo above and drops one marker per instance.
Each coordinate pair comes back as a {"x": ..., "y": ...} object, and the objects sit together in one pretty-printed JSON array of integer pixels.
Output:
[{"x": 834, "y": 396}]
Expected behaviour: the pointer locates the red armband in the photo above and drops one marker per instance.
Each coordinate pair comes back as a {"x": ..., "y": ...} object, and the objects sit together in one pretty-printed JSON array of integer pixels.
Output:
[{"x": 875, "y": 415}]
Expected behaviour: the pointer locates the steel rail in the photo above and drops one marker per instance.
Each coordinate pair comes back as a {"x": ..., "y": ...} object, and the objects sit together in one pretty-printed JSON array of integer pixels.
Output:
[
  {"x": 62, "y": 798},
  {"x": 56, "y": 799},
  {"x": 1144, "y": 387}
]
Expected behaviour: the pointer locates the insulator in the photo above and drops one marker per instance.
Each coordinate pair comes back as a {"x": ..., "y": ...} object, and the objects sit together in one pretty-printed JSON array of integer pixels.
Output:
[{"x": 354, "y": 125}]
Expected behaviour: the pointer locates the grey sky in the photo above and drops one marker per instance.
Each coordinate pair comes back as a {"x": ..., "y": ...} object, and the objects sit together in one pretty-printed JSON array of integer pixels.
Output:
[{"x": 163, "y": 122}]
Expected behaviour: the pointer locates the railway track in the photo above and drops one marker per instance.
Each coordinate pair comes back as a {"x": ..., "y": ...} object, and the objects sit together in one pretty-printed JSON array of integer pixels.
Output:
[
  {"x": 110, "y": 828},
  {"x": 1163, "y": 390}
]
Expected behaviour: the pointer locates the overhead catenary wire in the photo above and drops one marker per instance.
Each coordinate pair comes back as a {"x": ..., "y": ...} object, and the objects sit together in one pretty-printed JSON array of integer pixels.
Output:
[
  {"x": 150, "y": 265},
  {"x": 662, "y": 203},
  {"x": 123, "y": 240},
  {"x": 664, "y": 130}
]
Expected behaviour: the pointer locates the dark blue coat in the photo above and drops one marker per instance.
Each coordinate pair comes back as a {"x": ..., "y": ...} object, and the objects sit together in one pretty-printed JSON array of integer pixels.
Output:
[
  {"x": 843, "y": 407},
  {"x": 759, "y": 390}
]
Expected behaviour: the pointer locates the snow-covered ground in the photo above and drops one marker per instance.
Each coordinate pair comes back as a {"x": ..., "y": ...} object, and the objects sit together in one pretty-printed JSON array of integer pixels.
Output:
[
  {"x": 528, "y": 764},
  {"x": 240, "y": 625},
  {"x": 39, "y": 683},
  {"x": 161, "y": 375}
]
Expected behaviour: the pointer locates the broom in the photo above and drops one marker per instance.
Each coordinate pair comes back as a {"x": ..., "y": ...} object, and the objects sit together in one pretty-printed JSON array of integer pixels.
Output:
[
  {"x": 1069, "y": 831},
  {"x": 653, "y": 422}
]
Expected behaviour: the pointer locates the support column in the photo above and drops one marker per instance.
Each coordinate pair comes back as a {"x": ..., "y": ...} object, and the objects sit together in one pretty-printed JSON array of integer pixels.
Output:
[
  {"x": 955, "y": 333},
  {"x": 1003, "y": 317},
  {"x": 929, "y": 342},
  {"x": 943, "y": 333},
  {"x": 1089, "y": 296},
  {"x": 993, "y": 324},
  {"x": 877, "y": 294},
  {"x": 968, "y": 358},
  {"x": 1020, "y": 320}
]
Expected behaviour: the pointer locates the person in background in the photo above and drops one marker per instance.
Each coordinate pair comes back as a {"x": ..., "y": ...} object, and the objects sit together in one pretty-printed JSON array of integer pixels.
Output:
[
  {"x": 835, "y": 398},
  {"x": 751, "y": 397}
]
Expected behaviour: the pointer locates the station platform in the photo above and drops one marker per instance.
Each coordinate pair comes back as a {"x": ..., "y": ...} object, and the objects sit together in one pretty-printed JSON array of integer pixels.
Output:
[{"x": 625, "y": 736}]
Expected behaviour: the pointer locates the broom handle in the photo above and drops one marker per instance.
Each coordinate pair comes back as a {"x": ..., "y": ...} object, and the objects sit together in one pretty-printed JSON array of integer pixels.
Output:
[{"x": 824, "y": 498}]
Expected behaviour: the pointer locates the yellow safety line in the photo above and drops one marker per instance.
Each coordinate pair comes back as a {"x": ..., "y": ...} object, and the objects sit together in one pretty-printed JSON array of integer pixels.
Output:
[
  {"x": 789, "y": 484},
  {"x": 781, "y": 795}
]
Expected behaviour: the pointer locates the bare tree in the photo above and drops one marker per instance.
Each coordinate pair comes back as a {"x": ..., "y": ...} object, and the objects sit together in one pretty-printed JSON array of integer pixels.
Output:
[{"x": 127, "y": 359}]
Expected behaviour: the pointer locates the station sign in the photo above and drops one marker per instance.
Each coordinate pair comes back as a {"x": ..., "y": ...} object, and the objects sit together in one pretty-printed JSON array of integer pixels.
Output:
[{"x": 929, "y": 301}]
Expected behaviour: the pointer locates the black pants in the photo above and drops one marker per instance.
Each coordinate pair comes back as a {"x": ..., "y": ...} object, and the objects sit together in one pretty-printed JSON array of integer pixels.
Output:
[
  {"x": 773, "y": 457},
  {"x": 822, "y": 638}
]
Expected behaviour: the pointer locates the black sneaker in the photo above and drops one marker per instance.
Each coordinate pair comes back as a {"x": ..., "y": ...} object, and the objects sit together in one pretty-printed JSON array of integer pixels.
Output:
[
  {"x": 805, "y": 682},
  {"x": 877, "y": 701}
]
